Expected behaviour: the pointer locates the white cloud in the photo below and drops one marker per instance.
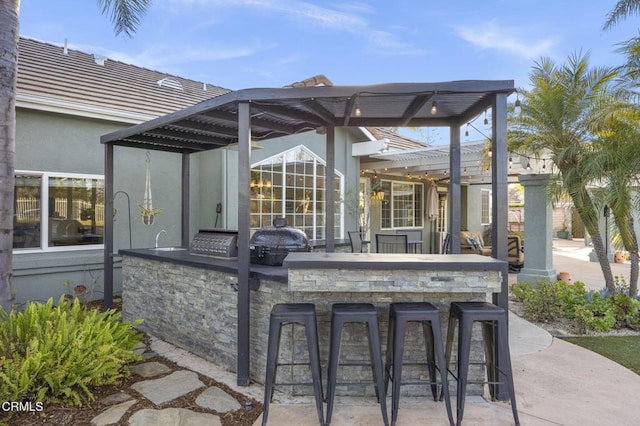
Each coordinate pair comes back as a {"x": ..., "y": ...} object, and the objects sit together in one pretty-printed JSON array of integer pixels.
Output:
[
  {"x": 161, "y": 56},
  {"x": 493, "y": 35},
  {"x": 346, "y": 17}
]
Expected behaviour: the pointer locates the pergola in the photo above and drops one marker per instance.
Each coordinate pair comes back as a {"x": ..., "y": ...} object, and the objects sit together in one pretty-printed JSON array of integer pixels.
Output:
[{"x": 248, "y": 115}]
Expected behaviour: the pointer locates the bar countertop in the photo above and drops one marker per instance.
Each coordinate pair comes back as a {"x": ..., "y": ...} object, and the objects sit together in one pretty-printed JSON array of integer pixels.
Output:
[
  {"x": 461, "y": 262},
  {"x": 182, "y": 256}
]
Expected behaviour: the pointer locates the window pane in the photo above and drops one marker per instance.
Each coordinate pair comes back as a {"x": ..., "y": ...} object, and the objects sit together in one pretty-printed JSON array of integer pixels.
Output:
[
  {"x": 26, "y": 220},
  {"x": 402, "y": 199},
  {"x": 301, "y": 190},
  {"x": 76, "y": 211}
]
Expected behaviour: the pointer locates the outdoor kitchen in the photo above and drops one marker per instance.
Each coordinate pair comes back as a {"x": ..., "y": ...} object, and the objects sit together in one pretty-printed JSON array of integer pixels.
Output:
[
  {"x": 213, "y": 293},
  {"x": 189, "y": 296}
]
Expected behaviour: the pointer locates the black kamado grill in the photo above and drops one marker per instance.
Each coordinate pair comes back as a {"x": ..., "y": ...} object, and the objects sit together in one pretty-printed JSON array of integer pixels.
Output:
[{"x": 271, "y": 244}]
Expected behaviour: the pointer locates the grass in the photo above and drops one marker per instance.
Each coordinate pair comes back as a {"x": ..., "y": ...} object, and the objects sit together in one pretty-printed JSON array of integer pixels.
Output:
[{"x": 625, "y": 350}]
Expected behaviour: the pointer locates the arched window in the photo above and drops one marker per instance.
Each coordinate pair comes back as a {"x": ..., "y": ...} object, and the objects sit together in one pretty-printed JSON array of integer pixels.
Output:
[{"x": 292, "y": 185}]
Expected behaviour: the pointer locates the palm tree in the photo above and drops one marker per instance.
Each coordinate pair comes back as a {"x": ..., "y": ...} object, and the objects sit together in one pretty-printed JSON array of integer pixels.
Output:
[
  {"x": 617, "y": 167},
  {"x": 561, "y": 114},
  {"x": 125, "y": 15},
  {"x": 621, "y": 10}
]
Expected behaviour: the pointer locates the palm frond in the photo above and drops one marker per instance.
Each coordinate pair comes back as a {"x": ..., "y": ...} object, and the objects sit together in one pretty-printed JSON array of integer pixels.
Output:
[{"x": 125, "y": 15}]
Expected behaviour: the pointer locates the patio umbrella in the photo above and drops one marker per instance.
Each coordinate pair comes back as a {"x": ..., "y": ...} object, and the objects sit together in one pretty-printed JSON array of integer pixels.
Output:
[{"x": 432, "y": 202}]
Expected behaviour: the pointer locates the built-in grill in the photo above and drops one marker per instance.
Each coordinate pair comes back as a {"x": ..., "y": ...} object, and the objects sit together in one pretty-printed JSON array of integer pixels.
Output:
[
  {"x": 215, "y": 242},
  {"x": 270, "y": 245}
]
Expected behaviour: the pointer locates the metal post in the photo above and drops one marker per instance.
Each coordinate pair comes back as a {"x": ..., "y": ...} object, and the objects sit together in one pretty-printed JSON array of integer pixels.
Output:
[
  {"x": 107, "y": 301},
  {"x": 186, "y": 199},
  {"x": 455, "y": 192},
  {"x": 330, "y": 196},
  {"x": 499, "y": 195},
  {"x": 244, "y": 216}
]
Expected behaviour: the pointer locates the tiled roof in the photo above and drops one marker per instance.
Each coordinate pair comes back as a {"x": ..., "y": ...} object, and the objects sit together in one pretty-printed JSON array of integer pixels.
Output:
[
  {"x": 396, "y": 141},
  {"x": 49, "y": 74}
]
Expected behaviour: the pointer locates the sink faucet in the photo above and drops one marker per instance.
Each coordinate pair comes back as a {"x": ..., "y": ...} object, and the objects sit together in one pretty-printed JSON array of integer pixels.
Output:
[{"x": 158, "y": 236}]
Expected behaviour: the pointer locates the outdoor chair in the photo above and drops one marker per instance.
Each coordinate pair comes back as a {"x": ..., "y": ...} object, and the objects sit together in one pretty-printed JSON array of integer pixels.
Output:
[
  {"x": 355, "y": 237},
  {"x": 390, "y": 243},
  {"x": 414, "y": 238}
]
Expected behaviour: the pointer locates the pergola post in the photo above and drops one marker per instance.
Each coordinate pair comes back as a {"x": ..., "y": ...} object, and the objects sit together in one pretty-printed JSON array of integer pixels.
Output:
[
  {"x": 499, "y": 212},
  {"x": 455, "y": 191},
  {"x": 244, "y": 216},
  {"x": 107, "y": 301},
  {"x": 186, "y": 199},
  {"x": 330, "y": 196}
]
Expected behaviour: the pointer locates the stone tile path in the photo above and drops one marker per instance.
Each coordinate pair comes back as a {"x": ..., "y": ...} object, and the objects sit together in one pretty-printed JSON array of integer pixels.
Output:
[{"x": 159, "y": 389}]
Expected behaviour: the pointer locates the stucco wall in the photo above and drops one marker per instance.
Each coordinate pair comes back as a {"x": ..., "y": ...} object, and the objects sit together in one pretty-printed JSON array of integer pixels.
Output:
[{"x": 49, "y": 142}]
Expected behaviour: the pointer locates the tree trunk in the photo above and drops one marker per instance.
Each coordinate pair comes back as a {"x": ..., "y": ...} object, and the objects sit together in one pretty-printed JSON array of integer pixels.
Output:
[
  {"x": 9, "y": 13},
  {"x": 584, "y": 205}
]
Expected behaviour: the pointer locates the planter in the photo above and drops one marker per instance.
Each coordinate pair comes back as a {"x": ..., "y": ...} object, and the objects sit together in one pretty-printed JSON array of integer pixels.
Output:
[
  {"x": 148, "y": 219},
  {"x": 564, "y": 276},
  {"x": 619, "y": 257},
  {"x": 563, "y": 235}
]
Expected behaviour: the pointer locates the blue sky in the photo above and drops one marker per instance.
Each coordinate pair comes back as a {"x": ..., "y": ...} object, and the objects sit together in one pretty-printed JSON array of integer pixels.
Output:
[{"x": 239, "y": 44}]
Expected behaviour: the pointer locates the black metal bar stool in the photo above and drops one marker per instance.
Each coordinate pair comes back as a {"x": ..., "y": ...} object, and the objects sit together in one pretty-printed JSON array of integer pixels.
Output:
[
  {"x": 293, "y": 313},
  {"x": 429, "y": 317},
  {"x": 342, "y": 313},
  {"x": 492, "y": 317}
]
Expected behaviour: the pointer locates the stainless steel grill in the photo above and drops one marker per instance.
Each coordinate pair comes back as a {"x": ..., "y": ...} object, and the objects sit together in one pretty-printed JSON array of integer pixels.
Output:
[{"x": 215, "y": 242}]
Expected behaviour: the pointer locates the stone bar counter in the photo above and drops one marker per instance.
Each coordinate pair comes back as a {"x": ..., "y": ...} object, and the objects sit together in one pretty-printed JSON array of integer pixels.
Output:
[{"x": 191, "y": 301}]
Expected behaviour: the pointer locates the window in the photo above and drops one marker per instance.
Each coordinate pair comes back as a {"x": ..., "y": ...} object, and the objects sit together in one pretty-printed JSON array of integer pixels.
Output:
[
  {"x": 486, "y": 214},
  {"x": 73, "y": 206},
  {"x": 401, "y": 205},
  {"x": 292, "y": 185}
]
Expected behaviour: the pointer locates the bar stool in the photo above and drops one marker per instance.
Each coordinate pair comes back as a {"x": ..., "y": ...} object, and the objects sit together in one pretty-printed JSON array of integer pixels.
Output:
[
  {"x": 342, "y": 313},
  {"x": 492, "y": 317},
  {"x": 429, "y": 316},
  {"x": 293, "y": 313}
]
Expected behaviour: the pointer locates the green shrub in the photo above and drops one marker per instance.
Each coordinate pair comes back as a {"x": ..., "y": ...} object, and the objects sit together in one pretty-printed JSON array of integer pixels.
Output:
[
  {"x": 570, "y": 296},
  {"x": 543, "y": 304},
  {"x": 520, "y": 291},
  {"x": 626, "y": 310},
  {"x": 55, "y": 353},
  {"x": 597, "y": 314}
]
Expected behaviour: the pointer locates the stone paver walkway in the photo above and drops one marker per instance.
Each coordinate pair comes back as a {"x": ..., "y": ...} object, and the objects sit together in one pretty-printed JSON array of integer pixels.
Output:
[{"x": 160, "y": 388}]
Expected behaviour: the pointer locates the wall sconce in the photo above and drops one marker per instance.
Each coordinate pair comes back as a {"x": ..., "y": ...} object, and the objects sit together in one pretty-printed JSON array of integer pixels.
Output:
[{"x": 377, "y": 195}]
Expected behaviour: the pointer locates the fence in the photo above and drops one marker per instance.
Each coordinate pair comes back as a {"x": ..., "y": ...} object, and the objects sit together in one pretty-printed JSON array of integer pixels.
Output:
[{"x": 28, "y": 209}]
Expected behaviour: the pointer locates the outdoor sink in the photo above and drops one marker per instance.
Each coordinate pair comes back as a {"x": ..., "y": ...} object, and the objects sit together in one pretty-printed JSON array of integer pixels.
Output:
[{"x": 170, "y": 248}]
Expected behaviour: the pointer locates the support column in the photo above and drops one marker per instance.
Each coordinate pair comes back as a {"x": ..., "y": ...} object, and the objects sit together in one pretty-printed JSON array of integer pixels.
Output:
[{"x": 538, "y": 230}]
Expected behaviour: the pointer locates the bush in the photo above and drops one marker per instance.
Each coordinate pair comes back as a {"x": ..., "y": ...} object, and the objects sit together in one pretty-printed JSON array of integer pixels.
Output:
[
  {"x": 626, "y": 310},
  {"x": 543, "y": 304},
  {"x": 521, "y": 291},
  {"x": 596, "y": 315},
  {"x": 54, "y": 354}
]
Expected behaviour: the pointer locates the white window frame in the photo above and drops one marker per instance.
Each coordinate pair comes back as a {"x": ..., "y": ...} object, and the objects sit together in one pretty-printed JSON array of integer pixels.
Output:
[
  {"x": 486, "y": 196},
  {"x": 418, "y": 214},
  {"x": 317, "y": 160},
  {"x": 44, "y": 213}
]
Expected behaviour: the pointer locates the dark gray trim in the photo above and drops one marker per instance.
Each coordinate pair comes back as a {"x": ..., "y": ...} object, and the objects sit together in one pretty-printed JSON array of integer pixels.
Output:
[
  {"x": 107, "y": 302},
  {"x": 244, "y": 177},
  {"x": 330, "y": 197},
  {"x": 455, "y": 198},
  {"x": 186, "y": 199}
]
